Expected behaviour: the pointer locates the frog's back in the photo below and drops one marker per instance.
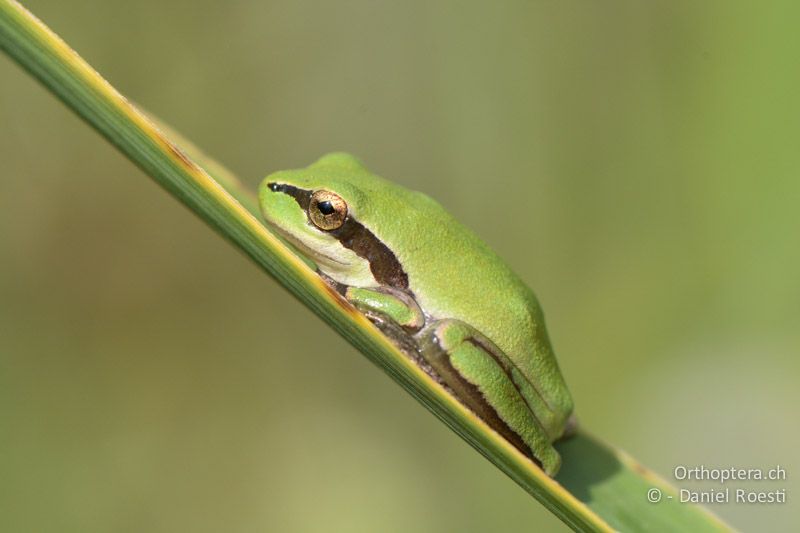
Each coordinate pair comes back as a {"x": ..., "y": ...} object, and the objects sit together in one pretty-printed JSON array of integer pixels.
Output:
[{"x": 454, "y": 274}]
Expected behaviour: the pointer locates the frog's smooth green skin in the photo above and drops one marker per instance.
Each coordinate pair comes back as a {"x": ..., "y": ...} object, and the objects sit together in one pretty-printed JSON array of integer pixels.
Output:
[{"x": 398, "y": 255}]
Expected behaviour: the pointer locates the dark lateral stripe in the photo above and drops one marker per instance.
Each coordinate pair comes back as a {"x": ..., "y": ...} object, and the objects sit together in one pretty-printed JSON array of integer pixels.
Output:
[
  {"x": 504, "y": 366},
  {"x": 302, "y": 196},
  {"x": 470, "y": 394},
  {"x": 382, "y": 262}
]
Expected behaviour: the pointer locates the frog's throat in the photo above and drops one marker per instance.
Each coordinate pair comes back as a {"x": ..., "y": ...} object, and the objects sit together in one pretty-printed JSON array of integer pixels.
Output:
[{"x": 353, "y": 235}]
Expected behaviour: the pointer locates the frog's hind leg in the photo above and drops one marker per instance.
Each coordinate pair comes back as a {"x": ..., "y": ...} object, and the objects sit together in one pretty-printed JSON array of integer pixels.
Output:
[{"x": 479, "y": 374}]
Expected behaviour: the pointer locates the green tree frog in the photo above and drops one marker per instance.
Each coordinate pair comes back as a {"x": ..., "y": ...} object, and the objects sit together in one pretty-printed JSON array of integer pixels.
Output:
[{"x": 413, "y": 269}]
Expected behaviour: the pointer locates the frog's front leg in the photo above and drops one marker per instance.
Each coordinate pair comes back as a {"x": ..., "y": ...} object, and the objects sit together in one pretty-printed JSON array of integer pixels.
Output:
[
  {"x": 483, "y": 377},
  {"x": 387, "y": 303},
  {"x": 395, "y": 313}
]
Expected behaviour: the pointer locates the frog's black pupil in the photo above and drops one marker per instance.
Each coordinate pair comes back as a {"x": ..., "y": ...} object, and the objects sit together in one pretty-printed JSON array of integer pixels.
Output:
[{"x": 326, "y": 208}]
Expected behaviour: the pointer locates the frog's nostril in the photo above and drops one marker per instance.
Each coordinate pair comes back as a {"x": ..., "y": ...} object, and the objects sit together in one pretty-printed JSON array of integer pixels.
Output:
[{"x": 274, "y": 187}]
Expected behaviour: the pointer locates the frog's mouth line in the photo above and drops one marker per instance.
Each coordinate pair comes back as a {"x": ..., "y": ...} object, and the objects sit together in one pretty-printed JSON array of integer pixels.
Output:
[
  {"x": 307, "y": 250},
  {"x": 314, "y": 254},
  {"x": 384, "y": 265}
]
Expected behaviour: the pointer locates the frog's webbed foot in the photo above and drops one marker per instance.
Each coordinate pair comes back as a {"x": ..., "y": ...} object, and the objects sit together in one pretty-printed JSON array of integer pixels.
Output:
[{"x": 483, "y": 377}]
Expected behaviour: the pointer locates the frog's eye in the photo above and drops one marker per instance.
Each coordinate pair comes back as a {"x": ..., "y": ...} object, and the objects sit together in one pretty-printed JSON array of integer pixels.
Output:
[{"x": 327, "y": 210}]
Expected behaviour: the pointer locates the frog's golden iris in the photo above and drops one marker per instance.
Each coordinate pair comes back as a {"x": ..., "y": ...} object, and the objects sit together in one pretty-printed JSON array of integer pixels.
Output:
[{"x": 327, "y": 210}]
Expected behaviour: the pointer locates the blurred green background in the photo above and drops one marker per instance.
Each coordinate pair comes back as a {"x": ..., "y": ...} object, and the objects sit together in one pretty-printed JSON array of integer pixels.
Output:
[{"x": 636, "y": 163}]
